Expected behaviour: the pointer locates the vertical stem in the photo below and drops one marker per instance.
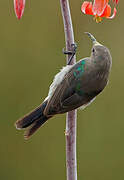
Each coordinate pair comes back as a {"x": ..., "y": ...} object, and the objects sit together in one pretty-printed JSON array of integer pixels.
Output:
[{"x": 71, "y": 162}]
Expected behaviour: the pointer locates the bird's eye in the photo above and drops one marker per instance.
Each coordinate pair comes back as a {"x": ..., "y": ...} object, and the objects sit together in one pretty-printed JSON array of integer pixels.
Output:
[{"x": 93, "y": 50}]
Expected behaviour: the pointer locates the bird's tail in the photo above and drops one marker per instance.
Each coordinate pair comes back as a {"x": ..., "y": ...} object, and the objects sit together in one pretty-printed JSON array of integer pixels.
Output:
[{"x": 33, "y": 120}]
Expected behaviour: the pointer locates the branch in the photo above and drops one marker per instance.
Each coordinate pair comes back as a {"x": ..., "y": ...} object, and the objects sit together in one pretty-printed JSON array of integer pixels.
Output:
[{"x": 71, "y": 162}]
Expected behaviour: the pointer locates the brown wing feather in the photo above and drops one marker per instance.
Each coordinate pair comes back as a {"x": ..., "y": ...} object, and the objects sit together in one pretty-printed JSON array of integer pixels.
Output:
[{"x": 55, "y": 101}]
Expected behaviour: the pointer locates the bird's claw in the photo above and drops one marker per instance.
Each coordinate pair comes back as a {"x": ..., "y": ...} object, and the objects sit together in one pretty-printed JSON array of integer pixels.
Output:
[
  {"x": 74, "y": 48},
  {"x": 72, "y": 53}
]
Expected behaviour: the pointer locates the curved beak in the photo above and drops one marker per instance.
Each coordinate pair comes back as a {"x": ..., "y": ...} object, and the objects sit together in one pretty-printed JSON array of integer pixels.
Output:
[{"x": 95, "y": 43}]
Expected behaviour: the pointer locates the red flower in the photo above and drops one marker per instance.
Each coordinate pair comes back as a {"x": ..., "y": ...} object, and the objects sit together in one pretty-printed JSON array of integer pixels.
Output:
[
  {"x": 99, "y": 9},
  {"x": 19, "y": 6}
]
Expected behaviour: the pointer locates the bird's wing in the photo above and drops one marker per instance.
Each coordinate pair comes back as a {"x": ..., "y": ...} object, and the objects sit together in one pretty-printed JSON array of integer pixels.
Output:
[
  {"x": 69, "y": 95},
  {"x": 62, "y": 93}
]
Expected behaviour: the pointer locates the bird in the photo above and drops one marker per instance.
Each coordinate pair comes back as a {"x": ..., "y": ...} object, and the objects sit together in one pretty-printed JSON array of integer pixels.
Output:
[{"x": 73, "y": 87}]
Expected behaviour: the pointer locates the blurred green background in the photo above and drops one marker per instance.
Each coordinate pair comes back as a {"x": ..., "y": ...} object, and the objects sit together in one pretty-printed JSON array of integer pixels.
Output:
[{"x": 30, "y": 56}]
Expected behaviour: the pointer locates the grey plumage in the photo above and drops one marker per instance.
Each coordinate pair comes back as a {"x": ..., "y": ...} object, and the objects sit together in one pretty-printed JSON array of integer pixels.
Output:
[{"x": 79, "y": 85}]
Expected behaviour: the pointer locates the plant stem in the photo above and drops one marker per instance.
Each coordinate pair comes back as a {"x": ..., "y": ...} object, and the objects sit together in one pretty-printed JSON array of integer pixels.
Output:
[{"x": 70, "y": 134}]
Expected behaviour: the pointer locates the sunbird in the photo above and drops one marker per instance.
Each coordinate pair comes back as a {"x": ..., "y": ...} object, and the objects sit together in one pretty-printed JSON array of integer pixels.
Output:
[{"x": 74, "y": 86}]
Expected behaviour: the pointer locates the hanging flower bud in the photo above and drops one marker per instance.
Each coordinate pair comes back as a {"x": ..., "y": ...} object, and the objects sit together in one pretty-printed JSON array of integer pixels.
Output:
[{"x": 19, "y": 6}]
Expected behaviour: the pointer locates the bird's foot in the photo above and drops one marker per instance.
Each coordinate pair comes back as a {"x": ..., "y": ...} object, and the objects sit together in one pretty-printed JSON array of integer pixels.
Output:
[
  {"x": 72, "y": 53},
  {"x": 74, "y": 48}
]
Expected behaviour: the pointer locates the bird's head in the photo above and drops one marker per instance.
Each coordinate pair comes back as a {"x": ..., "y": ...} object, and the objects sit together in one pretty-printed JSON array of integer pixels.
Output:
[{"x": 98, "y": 52}]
